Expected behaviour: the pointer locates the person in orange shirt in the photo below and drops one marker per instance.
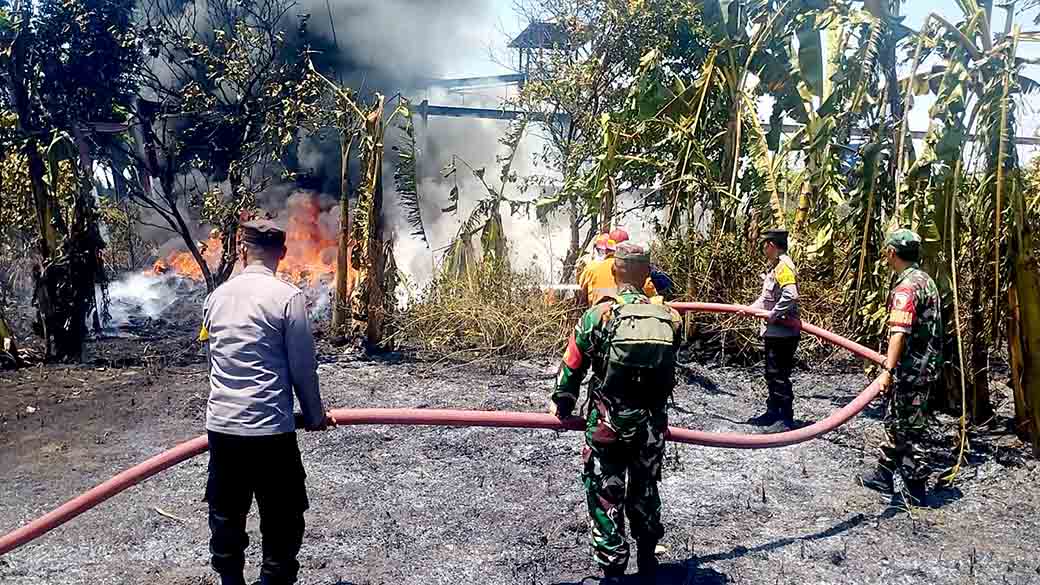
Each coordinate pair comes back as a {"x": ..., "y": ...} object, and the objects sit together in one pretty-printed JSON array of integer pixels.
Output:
[{"x": 597, "y": 278}]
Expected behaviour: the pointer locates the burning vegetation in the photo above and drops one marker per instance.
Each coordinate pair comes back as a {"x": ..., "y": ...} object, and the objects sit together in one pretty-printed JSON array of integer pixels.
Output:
[{"x": 311, "y": 240}]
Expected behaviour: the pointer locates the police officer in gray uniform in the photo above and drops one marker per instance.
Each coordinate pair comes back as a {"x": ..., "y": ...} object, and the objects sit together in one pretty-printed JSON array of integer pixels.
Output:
[
  {"x": 261, "y": 352},
  {"x": 782, "y": 330}
]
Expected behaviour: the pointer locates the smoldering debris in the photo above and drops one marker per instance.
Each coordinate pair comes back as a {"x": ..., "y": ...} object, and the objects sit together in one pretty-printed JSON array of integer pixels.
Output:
[{"x": 144, "y": 302}]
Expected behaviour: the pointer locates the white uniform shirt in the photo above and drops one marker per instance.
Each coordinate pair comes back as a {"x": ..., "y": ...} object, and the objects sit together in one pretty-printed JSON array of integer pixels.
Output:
[{"x": 261, "y": 351}]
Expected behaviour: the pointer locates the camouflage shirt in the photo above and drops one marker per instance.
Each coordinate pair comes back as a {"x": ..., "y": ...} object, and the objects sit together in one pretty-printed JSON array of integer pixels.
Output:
[
  {"x": 586, "y": 349},
  {"x": 914, "y": 309}
]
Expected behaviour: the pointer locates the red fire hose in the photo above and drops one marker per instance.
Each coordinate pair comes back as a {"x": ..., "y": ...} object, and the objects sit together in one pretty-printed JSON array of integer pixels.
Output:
[{"x": 463, "y": 418}]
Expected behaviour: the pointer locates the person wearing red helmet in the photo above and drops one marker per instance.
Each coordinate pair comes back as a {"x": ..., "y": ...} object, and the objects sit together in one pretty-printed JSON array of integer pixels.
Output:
[
  {"x": 617, "y": 236},
  {"x": 597, "y": 277}
]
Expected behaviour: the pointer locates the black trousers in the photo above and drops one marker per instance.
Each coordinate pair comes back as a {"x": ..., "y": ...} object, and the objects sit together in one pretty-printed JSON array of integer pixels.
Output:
[
  {"x": 270, "y": 469},
  {"x": 779, "y": 363}
]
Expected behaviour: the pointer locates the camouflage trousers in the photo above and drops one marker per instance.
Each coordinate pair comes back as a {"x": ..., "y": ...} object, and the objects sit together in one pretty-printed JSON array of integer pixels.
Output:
[
  {"x": 623, "y": 454},
  {"x": 906, "y": 423}
]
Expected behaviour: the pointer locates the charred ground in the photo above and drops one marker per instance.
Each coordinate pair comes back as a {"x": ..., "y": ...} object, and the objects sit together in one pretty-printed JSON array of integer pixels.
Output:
[{"x": 443, "y": 505}]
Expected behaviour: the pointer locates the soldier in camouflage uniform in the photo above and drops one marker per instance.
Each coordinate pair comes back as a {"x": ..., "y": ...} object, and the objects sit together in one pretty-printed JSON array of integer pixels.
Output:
[
  {"x": 912, "y": 367},
  {"x": 625, "y": 429}
]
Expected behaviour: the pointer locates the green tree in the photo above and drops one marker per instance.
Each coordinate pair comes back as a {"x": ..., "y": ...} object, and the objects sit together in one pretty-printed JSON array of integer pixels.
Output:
[
  {"x": 577, "y": 78},
  {"x": 66, "y": 66},
  {"x": 222, "y": 98}
]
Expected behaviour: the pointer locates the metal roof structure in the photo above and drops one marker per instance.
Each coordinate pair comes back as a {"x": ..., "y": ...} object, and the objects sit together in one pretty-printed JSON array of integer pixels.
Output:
[
  {"x": 425, "y": 111},
  {"x": 473, "y": 82},
  {"x": 542, "y": 35}
]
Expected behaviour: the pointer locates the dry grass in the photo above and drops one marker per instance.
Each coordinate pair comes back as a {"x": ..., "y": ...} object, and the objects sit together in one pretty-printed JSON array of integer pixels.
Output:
[
  {"x": 728, "y": 270},
  {"x": 16, "y": 262},
  {"x": 491, "y": 313},
  {"x": 497, "y": 315}
]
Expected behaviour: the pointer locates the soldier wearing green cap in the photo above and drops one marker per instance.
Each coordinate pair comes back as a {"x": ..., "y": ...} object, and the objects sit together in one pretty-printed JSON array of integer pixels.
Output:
[
  {"x": 630, "y": 343},
  {"x": 781, "y": 331},
  {"x": 912, "y": 366}
]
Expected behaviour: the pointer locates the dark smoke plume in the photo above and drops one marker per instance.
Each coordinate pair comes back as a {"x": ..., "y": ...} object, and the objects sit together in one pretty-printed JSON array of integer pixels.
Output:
[{"x": 391, "y": 45}]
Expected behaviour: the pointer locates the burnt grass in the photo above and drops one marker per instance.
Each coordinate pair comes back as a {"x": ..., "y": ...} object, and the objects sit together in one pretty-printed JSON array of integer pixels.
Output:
[{"x": 418, "y": 505}]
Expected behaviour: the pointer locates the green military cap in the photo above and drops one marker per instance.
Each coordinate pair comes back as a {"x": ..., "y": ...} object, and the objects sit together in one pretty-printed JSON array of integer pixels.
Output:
[
  {"x": 778, "y": 237},
  {"x": 263, "y": 233},
  {"x": 630, "y": 252},
  {"x": 903, "y": 240}
]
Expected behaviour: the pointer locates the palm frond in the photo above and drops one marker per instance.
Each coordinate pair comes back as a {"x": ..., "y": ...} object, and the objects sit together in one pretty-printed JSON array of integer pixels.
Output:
[
  {"x": 1028, "y": 85},
  {"x": 511, "y": 140},
  {"x": 460, "y": 259},
  {"x": 763, "y": 163},
  {"x": 493, "y": 237},
  {"x": 406, "y": 177},
  {"x": 868, "y": 61}
]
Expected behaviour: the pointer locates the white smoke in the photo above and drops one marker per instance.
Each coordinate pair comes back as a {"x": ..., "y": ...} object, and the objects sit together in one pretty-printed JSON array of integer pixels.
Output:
[
  {"x": 384, "y": 46},
  {"x": 138, "y": 299},
  {"x": 140, "y": 295},
  {"x": 532, "y": 243},
  {"x": 396, "y": 42}
]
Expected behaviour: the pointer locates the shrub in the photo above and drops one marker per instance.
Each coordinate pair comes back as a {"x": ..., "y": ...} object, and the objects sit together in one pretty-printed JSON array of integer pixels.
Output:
[{"x": 489, "y": 311}]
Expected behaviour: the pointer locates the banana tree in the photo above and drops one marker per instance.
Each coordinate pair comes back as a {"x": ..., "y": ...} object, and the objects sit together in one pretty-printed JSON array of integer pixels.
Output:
[
  {"x": 366, "y": 272},
  {"x": 1024, "y": 311},
  {"x": 371, "y": 262},
  {"x": 485, "y": 218},
  {"x": 959, "y": 199},
  {"x": 45, "y": 102},
  {"x": 931, "y": 203}
]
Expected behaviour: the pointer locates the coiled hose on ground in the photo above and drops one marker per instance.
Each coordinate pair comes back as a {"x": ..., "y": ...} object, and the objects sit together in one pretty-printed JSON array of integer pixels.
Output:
[{"x": 463, "y": 418}]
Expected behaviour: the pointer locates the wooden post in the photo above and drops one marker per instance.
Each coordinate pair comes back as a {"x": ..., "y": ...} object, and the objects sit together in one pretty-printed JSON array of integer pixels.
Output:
[
  {"x": 376, "y": 258},
  {"x": 344, "y": 280}
]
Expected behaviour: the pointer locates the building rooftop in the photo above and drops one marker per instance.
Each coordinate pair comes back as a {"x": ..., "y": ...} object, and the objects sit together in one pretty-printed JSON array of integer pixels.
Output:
[{"x": 542, "y": 35}]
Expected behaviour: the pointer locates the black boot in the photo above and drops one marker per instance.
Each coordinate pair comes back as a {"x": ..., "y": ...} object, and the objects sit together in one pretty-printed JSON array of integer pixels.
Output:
[
  {"x": 232, "y": 579},
  {"x": 879, "y": 480},
  {"x": 770, "y": 417},
  {"x": 787, "y": 415},
  {"x": 612, "y": 575},
  {"x": 647, "y": 558},
  {"x": 917, "y": 491}
]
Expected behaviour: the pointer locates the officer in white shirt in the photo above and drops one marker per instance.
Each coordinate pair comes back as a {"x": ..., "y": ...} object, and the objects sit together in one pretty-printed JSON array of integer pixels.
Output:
[{"x": 261, "y": 353}]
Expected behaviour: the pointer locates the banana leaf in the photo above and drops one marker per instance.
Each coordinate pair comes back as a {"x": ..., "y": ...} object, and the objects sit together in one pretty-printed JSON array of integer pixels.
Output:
[{"x": 810, "y": 56}]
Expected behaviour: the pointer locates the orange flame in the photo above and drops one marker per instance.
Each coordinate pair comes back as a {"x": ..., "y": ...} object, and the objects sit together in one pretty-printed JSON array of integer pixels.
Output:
[
  {"x": 311, "y": 252},
  {"x": 183, "y": 263}
]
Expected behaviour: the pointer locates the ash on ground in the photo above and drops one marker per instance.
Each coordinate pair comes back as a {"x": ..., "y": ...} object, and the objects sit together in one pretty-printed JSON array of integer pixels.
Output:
[{"x": 421, "y": 505}]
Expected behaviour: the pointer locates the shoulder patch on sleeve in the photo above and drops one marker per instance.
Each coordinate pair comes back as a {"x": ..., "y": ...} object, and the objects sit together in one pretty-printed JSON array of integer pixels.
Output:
[
  {"x": 204, "y": 333},
  {"x": 901, "y": 307},
  {"x": 902, "y": 299},
  {"x": 784, "y": 274}
]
